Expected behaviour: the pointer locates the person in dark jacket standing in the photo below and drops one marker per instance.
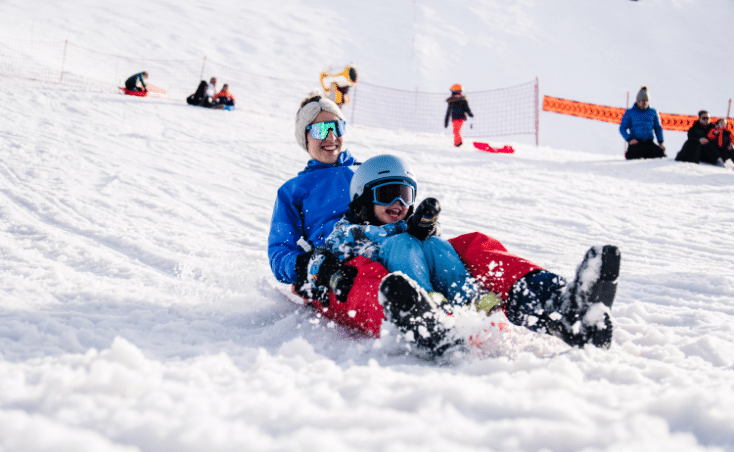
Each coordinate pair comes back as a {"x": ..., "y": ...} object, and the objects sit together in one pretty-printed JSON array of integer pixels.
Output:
[
  {"x": 131, "y": 84},
  {"x": 458, "y": 109},
  {"x": 637, "y": 127},
  {"x": 698, "y": 148}
]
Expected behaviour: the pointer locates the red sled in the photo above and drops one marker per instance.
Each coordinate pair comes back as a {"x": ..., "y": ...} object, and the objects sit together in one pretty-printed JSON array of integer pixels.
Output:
[
  {"x": 485, "y": 147},
  {"x": 133, "y": 93},
  {"x": 156, "y": 91}
]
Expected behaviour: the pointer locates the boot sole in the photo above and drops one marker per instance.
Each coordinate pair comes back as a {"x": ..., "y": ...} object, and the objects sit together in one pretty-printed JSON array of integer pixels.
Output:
[{"x": 611, "y": 259}]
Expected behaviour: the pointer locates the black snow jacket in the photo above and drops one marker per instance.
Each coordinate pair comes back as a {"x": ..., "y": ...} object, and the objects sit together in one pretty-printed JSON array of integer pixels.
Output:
[
  {"x": 458, "y": 108},
  {"x": 698, "y": 130}
]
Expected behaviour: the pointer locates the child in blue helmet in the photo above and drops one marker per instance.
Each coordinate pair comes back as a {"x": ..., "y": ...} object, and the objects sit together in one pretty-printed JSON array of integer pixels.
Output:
[{"x": 381, "y": 227}]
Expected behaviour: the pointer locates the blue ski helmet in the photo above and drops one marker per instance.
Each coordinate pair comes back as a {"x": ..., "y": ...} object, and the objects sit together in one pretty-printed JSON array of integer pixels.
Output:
[{"x": 380, "y": 169}]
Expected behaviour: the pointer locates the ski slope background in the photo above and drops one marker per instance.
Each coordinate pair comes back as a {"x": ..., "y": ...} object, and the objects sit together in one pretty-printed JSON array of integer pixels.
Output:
[{"x": 137, "y": 308}]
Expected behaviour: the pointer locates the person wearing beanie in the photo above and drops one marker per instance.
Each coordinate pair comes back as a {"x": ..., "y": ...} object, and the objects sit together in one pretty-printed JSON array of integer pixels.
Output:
[
  {"x": 360, "y": 294},
  {"x": 311, "y": 203},
  {"x": 457, "y": 111},
  {"x": 640, "y": 124}
]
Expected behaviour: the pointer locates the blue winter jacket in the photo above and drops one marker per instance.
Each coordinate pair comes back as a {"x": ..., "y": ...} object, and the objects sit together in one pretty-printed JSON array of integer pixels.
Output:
[
  {"x": 640, "y": 124},
  {"x": 349, "y": 240},
  {"x": 307, "y": 206}
]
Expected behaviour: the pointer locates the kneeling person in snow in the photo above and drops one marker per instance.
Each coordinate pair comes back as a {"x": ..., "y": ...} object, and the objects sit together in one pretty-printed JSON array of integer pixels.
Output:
[{"x": 137, "y": 82}]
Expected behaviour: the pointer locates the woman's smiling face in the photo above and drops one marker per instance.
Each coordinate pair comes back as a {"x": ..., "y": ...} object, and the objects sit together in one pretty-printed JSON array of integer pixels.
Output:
[{"x": 328, "y": 149}]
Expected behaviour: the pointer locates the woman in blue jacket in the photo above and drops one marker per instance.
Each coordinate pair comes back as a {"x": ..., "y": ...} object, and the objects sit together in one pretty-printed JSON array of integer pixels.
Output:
[
  {"x": 637, "y": 127},
  {"x": 311, "y": 203}
]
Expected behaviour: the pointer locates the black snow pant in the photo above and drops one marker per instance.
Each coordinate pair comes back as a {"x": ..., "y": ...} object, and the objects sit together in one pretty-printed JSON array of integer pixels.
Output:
[
  {"x": 644, "y": 150},
  {"x": 695, "y": 152},
  {"x": 727, "y": 154}
]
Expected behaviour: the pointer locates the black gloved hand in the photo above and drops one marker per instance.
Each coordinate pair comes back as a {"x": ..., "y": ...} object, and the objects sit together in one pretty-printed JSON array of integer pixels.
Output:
[
  {"x": 319, "y": 270},
  {"x": 424, "y": 222},
  {"x": 333, "y": 273}
]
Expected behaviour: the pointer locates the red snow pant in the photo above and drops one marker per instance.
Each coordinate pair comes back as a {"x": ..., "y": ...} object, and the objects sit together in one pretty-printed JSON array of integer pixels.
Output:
[
  {"x": 494, "y": 268},
  {"x": 457, "y": 123}
]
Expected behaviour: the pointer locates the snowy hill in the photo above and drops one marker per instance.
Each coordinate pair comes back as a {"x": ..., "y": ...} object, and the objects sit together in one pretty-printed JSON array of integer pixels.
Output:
[{"x": 138, "y": 311}]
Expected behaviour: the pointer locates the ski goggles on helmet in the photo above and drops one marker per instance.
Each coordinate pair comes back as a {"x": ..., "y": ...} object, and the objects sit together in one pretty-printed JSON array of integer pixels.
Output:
[
  {"x": 389, "y": 192},
  {"x": 320, "y": 130}
]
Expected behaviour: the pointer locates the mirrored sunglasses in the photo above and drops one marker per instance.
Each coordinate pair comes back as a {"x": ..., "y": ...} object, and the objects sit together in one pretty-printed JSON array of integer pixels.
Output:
[
  {"x": 320, "y": 130},
  {"x": 386, "y": 194}
]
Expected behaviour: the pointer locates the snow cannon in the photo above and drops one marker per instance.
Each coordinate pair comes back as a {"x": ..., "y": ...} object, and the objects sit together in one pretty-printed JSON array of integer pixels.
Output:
[{"x": 336, "y": 86}]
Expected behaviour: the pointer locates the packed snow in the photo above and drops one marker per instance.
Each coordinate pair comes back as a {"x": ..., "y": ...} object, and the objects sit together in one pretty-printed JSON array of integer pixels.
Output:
[{"x": 138, "y": 311}]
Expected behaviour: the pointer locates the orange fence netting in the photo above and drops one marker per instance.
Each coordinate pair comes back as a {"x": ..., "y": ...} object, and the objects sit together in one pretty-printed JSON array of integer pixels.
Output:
[{"x": 614, "y": 114}]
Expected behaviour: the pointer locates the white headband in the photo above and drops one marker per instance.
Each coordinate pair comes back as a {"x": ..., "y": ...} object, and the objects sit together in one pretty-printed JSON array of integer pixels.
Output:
[{"x": 309, "y": 112}]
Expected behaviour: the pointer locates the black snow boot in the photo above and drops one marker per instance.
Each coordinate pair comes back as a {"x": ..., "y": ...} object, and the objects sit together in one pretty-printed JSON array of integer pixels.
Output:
[
  {"x": 578, "y": 313},
  {"x": 414, "y": 313},
  {"x": 593, "y": 290}
]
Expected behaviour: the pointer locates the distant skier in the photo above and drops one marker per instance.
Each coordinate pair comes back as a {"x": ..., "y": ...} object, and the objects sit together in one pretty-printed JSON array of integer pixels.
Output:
[
  {"x": 137, "y": 82},
  {"x": 457, "y": 109},
  {"x": 637, "y": 127}
]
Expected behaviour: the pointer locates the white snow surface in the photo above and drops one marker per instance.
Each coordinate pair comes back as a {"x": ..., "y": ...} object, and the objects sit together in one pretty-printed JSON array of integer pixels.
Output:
[{"x": 138, "y": 311}]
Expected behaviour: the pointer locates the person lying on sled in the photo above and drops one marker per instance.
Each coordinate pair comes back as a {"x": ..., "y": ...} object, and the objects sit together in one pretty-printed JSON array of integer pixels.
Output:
[
  {"x": 308, "y": 206},
  {"x": 137, "y": 82}
]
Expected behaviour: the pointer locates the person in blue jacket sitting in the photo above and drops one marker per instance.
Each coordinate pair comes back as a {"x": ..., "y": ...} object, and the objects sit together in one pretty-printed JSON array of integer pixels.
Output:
[{"x": 637, "y": 127}]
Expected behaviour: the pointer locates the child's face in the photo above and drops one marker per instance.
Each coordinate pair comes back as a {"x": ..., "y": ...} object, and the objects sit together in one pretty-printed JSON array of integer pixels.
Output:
[{"x": 392, "y": 213}]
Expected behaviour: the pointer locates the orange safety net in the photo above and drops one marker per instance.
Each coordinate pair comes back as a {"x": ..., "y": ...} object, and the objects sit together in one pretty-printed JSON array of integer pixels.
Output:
[{"x": 614, "y": 114}]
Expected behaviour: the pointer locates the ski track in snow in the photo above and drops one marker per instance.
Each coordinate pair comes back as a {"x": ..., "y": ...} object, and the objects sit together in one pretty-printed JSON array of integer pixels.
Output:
[{"x": 138, "y": 311}]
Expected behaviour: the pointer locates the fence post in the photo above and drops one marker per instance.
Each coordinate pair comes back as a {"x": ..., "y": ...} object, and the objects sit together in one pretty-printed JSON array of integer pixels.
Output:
[
  {"x": 63, "y": 62},
  {"x": 537, "y": 111},
  {"x": 627, "y": 106},
  {"x": 202, "y": 68}
]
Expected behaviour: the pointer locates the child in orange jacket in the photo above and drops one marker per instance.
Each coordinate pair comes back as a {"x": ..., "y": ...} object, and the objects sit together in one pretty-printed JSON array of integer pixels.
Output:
[{"x": 457, "y": 109}]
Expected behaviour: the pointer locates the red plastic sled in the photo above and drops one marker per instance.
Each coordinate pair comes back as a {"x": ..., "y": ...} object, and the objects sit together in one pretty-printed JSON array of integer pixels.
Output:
[
  {"x": 133, "y": 93},
  {"x": 485, "y": 147},
  {"x": 155, "y": 91}
]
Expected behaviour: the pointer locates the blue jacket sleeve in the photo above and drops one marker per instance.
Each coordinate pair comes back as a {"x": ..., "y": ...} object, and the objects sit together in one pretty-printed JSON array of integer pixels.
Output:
[
  {"x": 285, "y": 231},
  {"x": 142, "y": 81},
  {"x": 625, "y": 125},
  {"x": 658, "y": 128}
]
